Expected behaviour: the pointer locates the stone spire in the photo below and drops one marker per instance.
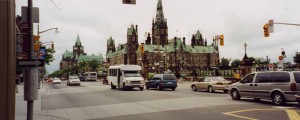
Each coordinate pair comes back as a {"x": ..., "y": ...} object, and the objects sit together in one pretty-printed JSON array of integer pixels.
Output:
[
  {"x": 78, "y": 42},
  {"x": 160, "y": 19}
]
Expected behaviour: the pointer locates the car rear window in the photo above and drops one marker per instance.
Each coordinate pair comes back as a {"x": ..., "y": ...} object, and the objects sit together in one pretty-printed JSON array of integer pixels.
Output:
[
  {"x": 169, "y": 77},
  {"x": 297, "y": 77},
  {"x": 281, "y": 77}
]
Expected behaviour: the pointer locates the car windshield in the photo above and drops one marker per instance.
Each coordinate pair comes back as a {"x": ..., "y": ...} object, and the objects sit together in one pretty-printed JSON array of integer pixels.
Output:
[
  {"x": 73, "y": 77},
  {"x": 169, "y": 77},
  {"x": 297, "y": 77},
  {"x": 132, "y": 74},
  {"x": 218, "y": 79},
  {"x": 93, "y": 74}
]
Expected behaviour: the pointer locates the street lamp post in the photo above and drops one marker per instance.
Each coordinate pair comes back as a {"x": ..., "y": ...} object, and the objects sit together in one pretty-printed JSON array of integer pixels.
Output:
[{"x": 39, "y": 32}]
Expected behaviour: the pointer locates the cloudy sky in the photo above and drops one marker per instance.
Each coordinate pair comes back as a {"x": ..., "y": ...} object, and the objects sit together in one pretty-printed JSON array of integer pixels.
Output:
[{"x": 239, "y": 20}]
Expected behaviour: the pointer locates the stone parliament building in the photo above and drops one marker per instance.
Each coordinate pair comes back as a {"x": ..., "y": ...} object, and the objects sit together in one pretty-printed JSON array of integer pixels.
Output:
[{"x": 161, "y": 53}]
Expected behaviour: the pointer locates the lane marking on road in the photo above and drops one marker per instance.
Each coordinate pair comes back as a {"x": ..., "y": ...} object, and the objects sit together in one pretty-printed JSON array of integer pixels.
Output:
[
  {"x": 293, "y": 115},
  {"x": 248, "y": 110}
]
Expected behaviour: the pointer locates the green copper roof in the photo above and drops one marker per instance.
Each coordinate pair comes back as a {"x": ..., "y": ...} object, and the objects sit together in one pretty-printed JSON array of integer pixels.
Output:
[
  {"x": 78, "y": 42},
  {"x": 68, "y": 54},
  {"x": 90, "y": 58},
  {"x": 198, "y": 35},
  {"x": 131, "y": 30},
  {"x": 179, "y": 45},
  {"x": 110, "y": 41}
]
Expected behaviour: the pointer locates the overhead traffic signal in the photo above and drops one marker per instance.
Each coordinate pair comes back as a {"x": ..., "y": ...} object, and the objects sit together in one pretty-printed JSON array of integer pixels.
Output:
[
  {"x": 133, "y": 2},
  {"x": 222, "y": 40},
  {"x": 266, "y": 30},
  {"x": 142, "y": 48}
]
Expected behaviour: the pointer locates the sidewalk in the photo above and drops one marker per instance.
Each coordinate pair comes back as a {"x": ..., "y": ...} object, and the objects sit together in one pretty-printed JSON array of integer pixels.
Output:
[{"x": 21, "y": 104}]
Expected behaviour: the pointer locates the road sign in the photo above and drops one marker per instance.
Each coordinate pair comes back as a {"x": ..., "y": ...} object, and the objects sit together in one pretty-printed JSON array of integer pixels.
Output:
[
  {"x": 30, "y": 63},
  {"x": 42, "y": 53}
]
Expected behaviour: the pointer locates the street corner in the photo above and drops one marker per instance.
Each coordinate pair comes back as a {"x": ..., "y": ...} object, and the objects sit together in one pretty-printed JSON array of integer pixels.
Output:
[{"x": 262, "y": 114}]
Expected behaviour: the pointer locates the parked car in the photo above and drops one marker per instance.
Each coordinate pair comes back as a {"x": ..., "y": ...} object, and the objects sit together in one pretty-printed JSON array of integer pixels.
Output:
[
  {"x": 211, "y": 84},
  {"x": 56, "y": 80},
  {"x": 161, "y": 81},
  {"x": 50, "y": 80},
  {"x": 73, "y": 80},
  {"x": 279, "y": 86}
]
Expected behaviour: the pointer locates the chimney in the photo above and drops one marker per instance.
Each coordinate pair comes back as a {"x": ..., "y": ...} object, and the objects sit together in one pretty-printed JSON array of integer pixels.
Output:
[
  {"x": 184, "y": 41},
  {"x": 136, "y": 29}
]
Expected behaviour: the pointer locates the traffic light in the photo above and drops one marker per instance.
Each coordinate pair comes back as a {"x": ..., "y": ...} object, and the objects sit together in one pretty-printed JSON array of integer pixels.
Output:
[
  {"x": 142, "y": 48},
  {"x": 222, "y": 40},
  {"x": 52, "y": 45},
  {"x": 133, "y": 2},
  {"x": 266, "y": 30}
]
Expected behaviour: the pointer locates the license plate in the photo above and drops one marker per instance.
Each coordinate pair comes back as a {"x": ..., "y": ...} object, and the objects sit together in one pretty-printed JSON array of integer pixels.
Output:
[{"x": 169, "y": 82}]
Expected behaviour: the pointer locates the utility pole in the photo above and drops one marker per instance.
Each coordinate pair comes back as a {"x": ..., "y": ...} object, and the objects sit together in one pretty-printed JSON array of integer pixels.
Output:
[{"x": 8, "y": 59}]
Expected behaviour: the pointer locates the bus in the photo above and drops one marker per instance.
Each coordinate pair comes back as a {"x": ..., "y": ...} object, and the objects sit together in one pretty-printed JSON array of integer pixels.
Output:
[
  {"x": 125, "y": 77},
  {"x": 90, "y": 76}
]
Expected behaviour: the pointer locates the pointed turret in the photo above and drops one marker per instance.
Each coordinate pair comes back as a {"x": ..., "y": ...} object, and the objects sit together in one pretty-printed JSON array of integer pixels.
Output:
[
  {"x": 78, "y": 42},
  {"x": 159, "y": 19}
]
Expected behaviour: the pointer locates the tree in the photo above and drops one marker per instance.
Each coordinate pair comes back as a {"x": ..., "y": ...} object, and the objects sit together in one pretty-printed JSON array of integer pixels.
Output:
[
  {"x": 235, "y": 63},
  {"x": 224, "y": 63},
  {"x": 49, "y": 55},
  {"x": 93, "y": 64},
  {"x": 297, "y": 58},
  {"x": 252, "y": 59}
]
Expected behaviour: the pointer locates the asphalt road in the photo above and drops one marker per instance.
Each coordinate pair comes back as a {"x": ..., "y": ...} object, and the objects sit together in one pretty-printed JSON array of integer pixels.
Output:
[{"x": 92, "y": 100}]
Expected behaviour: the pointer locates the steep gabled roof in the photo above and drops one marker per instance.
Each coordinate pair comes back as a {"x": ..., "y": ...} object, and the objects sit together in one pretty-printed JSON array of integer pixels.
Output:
[
  {"x": 78, "y": 42},
  {"x": 110, "y": 41},
  {"x": 68, "y": 54},
  {"x": 131, "y": 31}
]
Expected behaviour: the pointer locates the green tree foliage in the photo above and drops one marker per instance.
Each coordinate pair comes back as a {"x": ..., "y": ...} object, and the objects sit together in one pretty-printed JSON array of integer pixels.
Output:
[
  {"x": 224, "y": 63},
  {"x": 49, "y": 56},
  {"x": 252, "y": 59},
  {"x": 235, "y": 63},
  {"x": 297, "y": 58},
  {"x": 93, "y": 64}
]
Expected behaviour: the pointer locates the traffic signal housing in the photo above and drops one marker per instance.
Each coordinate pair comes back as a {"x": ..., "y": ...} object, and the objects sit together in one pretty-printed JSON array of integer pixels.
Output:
[
  {"x": 133, "y": 2},
  {"x": 266, "y": 30},
  {"x": 142, "y": 48},
  {"x": 222, "y": 40}
]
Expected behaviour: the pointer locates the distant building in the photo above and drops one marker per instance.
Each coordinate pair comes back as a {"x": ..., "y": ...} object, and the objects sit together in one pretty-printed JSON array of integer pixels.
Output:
[
  {"x": 161, "y": 53},
  {"x": 70, "y": 58}
]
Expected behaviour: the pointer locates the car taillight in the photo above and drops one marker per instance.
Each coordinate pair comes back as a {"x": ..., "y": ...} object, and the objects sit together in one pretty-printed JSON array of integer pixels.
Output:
[{"x": 293, "y": 87}]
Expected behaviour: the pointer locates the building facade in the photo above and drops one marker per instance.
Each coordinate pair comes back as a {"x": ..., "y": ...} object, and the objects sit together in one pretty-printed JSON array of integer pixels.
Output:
[
  {"x": 161, "y": 53},
  {"x": 77, "y": 55}
]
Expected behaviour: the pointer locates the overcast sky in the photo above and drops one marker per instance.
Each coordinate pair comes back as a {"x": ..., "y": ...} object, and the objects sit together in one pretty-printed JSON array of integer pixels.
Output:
[{"x": 239, "y": 20}]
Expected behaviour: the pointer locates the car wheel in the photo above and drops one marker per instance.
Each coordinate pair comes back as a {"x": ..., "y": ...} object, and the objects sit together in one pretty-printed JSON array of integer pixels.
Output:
[
  {"x": 112, "y": 86},
  {"x": 124, "y": 87},
  {"x": 194, "y": 88},
  {"x": 141, "y": 88},
  {"x": 210, "y": 89},
  {"x": 159, "y": 87},
  {"x": 235, "y": 95},
  {"x": 173, "y": 89},
  {"x": 225, "y": 91},
  {"x": 278, "y": 98},
  {"x": 147, "y": 87},
  {"x": 78, "y": 84}
]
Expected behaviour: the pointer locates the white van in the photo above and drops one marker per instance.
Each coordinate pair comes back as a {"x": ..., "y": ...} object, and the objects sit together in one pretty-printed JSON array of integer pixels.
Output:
[
  {"x": 125, "y": 77},
  {"x": 90, "y": 76}
]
